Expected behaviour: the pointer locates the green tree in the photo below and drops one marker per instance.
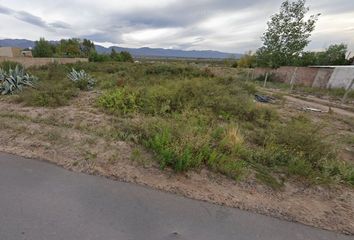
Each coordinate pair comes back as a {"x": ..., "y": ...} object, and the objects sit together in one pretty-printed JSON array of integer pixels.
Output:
[
  {"x": 248, "y": 60},
  {"x": 123, "y": 56},
  {"x": 96, "y": 57},
  {"x": 69, "y": 48},
  {"x": 307, "y": 59},
  {"x": 87, "y": 47},
  {"x": 334, "y": 55},
  {"x": 115, "y": 56},
  {"x": 234, "y": 64},
  {"x": 43, "y": 48},
  {"x": 351, "y": 61},
  {"x": 287, "y": 35},
  {"x": 126, "y": 56}
]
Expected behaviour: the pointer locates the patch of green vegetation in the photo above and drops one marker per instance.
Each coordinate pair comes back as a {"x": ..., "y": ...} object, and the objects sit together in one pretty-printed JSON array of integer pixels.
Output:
[
  {"x": 348, "y": 139},
  {"x": 7, "y": 65},
  {"x": 120, "y": 100},
  {"x": 90, "y": 156},
  {"x": 336, "y": 93},
  {"x": 192, "y": 120},
  {"x": 187, "y": 141},
  {"x": 298, "y": 148},
  {"x": 52, "y": 90}
]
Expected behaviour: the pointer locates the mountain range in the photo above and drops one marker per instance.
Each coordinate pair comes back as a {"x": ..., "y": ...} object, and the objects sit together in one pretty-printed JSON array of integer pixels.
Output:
[{"x": 136, "y": 52}]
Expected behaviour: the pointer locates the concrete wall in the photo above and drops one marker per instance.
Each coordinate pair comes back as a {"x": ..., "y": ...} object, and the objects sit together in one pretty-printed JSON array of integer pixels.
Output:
[
  {"x": 322, "y": 77},
  {"x": 29, "y": 62},
  {"x": 16, "y": 52},
  {"x": 10, "y": 52},
  {"x": 6, "y": 52},
  {"x": 341, "y": 78}
]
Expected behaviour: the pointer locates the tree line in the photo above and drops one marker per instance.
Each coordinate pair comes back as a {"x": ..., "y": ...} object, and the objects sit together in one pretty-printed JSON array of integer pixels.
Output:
[
  {"x": 287, "y": 35},
  {"x": 76, "y": 47}
]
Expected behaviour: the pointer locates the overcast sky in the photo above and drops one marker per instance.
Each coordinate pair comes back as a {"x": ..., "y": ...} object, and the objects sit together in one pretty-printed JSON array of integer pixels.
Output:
[{"x": 225, "y": 25}]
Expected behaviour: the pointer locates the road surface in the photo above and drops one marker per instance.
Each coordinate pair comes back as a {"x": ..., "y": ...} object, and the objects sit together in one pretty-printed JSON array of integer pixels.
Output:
[{"x": 41, "y": 201}]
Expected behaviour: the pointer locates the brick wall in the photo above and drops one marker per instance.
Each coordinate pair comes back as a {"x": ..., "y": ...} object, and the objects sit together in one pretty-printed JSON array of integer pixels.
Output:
[
  {"x": 258, "y": 72},
  {"x": 305, "y": 76},
  {"x": 284, "y": 74}
]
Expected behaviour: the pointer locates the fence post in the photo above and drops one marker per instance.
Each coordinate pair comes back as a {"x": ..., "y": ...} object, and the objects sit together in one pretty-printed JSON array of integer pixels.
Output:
[
  {"x": 253, "y": 74},
  {"x": 292, "y": 81},
  {"x": 344, "y": 99},
  {"x": 265, "y": 80}
]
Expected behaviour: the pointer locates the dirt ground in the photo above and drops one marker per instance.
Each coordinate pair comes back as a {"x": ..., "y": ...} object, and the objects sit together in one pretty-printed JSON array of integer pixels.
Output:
[{"x": 75, "y": 137}]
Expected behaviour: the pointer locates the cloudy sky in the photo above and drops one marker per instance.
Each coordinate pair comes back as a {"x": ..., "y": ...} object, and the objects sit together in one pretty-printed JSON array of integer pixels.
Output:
[{"x": 225, "y": 25}]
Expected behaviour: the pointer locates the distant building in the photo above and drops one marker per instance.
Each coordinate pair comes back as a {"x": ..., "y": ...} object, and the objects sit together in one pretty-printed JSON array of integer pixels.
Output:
[
  {"x": 10, "y": 52},
  {"x": 14, "y": 52},
  {"x": 26, "y": 53}
]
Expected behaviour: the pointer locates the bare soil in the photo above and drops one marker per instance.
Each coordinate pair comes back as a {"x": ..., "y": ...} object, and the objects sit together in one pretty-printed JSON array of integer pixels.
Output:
[{"x": 75, "y": 137}]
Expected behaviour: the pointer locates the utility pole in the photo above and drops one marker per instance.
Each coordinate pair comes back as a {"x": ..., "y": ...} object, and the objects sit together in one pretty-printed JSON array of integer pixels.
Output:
[
  {"x": 292, "y": 82},
  {"x": 265, "y": 80}
]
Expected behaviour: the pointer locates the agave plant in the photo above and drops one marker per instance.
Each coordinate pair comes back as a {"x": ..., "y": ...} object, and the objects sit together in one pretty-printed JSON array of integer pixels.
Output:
[
  {"x": 15, "y": 80},
  {"x": 82, "y": 79},
  {"x": 2, "y": 74}
]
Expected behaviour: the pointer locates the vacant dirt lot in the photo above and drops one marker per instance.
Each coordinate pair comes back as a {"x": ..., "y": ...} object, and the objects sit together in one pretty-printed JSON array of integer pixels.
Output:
[{"x": 77, "y": 138}]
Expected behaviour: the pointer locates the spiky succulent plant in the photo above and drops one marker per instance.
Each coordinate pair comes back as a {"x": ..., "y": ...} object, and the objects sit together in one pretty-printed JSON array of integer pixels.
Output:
[
  {"x": 82, "y": 79},
  {"x": 15, "y": 80}
]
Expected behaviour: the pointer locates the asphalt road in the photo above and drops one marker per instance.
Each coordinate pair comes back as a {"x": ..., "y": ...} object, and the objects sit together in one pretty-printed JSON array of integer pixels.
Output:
[{"x": 41, "y": 201}]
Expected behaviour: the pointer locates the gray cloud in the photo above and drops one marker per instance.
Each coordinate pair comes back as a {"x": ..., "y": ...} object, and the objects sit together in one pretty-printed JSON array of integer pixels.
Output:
[
  {"x": 32, "y": 19},
  {"x": 59, "y": 24},
  {"x": 234, "y": 26},
  {"x": 29, "y": 18},
  {"x": 4, "y": 10},
  {"x": 181, "y": 14},
  {"x": 333, "y": 7}
]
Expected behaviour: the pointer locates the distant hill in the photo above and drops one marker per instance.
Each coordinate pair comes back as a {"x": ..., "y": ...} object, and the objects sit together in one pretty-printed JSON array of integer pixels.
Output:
[
  {"x": 137, "y": 52},
  {"x": 161, "y": 52},
  {"x": 20, "y": 43}
]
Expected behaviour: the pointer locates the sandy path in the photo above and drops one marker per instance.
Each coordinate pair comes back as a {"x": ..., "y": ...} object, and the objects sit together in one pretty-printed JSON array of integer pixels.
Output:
[{"x": 319, "y": 106}]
